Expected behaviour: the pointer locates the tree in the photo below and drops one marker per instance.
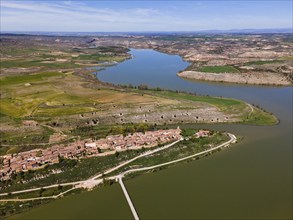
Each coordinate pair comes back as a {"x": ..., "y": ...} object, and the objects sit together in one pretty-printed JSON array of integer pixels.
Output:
[
  {"x": 116, "y": 154},
  {"x": 60, "y": 158},
  {"x": 41, "y": 191},
  {"x": 39, "y": 153},
  {"x": 60, "y": 187},
  {"x": 143, "y": 87},
  {"x": 99, "y": 150}
]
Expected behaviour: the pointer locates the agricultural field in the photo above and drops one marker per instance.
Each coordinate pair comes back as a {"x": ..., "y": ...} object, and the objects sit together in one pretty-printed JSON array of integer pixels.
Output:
[
  {"x": 261, "y": 62},
  {"x": 219, "y": 69}
]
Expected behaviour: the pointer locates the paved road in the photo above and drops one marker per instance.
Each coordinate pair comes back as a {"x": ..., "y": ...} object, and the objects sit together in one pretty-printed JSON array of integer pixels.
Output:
[
  {"x": 37, "y": 198},
  {"x": 38, "y": 188}
]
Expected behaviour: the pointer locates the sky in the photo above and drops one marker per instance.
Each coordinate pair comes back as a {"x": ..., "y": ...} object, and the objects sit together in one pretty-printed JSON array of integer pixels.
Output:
[{"x": 159, "y": 15}]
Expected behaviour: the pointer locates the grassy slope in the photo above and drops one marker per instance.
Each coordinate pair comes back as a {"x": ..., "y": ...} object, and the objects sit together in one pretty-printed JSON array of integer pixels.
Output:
[
  {"x": 36, "y": 63},
  {"x": 261, "y": 62},
  {"x": 218, "y": 69},
  {"x": 62, "y": 93},
  {"x": 55, "y": 89}
]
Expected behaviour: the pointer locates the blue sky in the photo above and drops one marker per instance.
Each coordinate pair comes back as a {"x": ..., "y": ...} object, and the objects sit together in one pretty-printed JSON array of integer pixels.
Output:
[{"x": 117, "y": 16}]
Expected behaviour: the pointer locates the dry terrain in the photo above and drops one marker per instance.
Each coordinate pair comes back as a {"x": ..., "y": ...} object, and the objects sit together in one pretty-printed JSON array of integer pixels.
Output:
[{"x": 259, "y": 78}]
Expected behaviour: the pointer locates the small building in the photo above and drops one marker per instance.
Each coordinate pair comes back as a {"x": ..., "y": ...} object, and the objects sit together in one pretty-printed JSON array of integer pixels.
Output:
[
  {"x": 202, "y": 133},
  {"x": 30, "y": 123},
  {"x": 91, "y": 145}
]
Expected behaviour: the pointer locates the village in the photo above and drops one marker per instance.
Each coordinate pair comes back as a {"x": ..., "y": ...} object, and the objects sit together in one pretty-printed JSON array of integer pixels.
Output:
[{"x": 38, "y": 158}]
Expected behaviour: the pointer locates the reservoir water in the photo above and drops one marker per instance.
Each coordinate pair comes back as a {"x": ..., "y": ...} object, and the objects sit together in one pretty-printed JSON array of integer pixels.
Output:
[{"x": 251, "y": 180}]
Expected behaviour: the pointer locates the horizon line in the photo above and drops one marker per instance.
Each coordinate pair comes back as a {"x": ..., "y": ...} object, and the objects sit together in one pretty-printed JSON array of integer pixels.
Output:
[{"x": 290, "y": 29}]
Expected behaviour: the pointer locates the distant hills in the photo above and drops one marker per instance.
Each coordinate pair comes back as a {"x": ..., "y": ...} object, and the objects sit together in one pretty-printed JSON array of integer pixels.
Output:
[{"x": 231, "y": 31}]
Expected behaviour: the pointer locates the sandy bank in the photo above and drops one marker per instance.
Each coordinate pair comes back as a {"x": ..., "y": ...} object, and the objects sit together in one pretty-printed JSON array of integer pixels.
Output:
[{"x": 259, "y": 78}]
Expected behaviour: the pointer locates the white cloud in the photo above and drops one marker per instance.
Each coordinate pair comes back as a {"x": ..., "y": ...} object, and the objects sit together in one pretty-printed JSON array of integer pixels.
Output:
[
  {"x": 71, "y": 16},
  {"x": 78, "y": 16},
  {"x": 145, "y": 11}
]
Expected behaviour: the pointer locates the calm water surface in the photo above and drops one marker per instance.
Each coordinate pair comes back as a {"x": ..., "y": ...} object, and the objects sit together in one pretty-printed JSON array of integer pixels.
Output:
[{"x": 251, "y": 180}]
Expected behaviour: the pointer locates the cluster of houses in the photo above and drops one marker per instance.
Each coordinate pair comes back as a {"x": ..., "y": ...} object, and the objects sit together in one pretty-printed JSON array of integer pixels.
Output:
[
  {"x": 37, "y": 158},
  {"x": 137, "y": 140}
]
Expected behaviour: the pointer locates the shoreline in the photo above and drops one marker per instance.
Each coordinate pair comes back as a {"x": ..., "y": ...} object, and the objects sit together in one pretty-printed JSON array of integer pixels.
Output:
[{"x": 261, "y": 79}]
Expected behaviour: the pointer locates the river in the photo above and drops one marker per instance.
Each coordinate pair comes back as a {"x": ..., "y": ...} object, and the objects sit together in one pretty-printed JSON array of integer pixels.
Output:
[{"x": 251, "y": 180}]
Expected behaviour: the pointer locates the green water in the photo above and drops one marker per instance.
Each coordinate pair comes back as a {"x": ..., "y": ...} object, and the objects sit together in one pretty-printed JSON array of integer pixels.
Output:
[
  {"x": 251, "y": 180},
  {"x": 107, "y": 203}
]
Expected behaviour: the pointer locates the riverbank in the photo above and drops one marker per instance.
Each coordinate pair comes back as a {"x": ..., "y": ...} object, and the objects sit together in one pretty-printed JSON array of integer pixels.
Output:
[{"x": 256, "y": 78}]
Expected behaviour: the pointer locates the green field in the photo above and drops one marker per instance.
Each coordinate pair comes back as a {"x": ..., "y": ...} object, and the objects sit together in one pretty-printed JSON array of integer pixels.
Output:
[
  {"x": 262, "y": 62},
  {"x": 46, "y": 58},
  {"x": 218, "y": 69},
  {"x": 219, "y": 102},
  {"x": 259, "y": 117},
  {"x": 11, "y": 80},
  {"x": 99, "y": 57},
  {"x": 290, "y": 58},
  {"x": 37, "y": 63}
]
